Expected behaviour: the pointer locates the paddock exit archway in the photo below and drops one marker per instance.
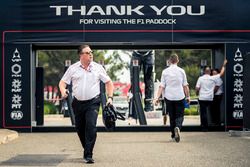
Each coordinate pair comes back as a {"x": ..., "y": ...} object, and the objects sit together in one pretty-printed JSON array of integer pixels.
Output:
[
  {"x": 118, "y": 25},
  {"x": 161, "y": 53}
]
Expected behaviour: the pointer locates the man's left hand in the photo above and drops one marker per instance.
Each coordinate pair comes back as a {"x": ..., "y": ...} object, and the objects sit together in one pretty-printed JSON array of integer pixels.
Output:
[{"x": 110, "y": 101}]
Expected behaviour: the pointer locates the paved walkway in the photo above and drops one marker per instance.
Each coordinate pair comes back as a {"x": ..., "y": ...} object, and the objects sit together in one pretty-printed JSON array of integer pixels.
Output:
[
  {"x": 152, "y": 120},
  {"x": 196, "y": 149}
]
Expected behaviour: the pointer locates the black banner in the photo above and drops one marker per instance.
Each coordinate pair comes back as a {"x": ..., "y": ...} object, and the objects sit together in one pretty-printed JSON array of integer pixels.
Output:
[
  {"x": 17, "y": 92},
  {"x": 235, "y": 84},
  {"x": 98, "y": 21},
  {"x": 246, "y": 94}
]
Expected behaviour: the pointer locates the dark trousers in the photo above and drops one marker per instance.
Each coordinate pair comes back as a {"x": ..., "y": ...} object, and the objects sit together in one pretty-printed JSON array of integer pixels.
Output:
[
  {"x": 205, "y": 107},
  {"x": 215, "y": 109},
  {"x": 176, "y": 114},
  {"x": 147, "y": 62},
  {"x": 86, "y": 113}
]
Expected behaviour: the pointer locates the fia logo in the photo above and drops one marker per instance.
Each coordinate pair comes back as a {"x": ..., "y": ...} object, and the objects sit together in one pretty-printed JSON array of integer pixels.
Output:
[
  {"x": 16, "y": 115},
  {"x": 238, "y": 115}
]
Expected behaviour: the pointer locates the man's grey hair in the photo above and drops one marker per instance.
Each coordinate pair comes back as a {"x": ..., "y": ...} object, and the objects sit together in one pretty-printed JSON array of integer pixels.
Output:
[{"x": 81, "y": 48}]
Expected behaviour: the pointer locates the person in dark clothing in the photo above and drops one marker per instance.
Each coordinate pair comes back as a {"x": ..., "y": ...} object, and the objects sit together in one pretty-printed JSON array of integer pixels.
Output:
[
  {"x": 175, "y": 87},
  {"x": 85, "y": 76}
]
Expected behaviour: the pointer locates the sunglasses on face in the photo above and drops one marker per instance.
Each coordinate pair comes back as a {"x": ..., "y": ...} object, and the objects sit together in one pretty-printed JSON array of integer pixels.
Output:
[{"x": 87, "y": 53}]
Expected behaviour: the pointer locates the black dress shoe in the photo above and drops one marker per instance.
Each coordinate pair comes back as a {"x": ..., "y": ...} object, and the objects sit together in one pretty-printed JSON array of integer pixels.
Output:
[{"x": 89, "y": 160}]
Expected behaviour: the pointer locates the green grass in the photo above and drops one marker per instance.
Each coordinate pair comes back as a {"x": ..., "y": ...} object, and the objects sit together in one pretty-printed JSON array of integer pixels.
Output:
[
  {"x": 49, "y": 108},
  {"x": 191, "y": 111}
]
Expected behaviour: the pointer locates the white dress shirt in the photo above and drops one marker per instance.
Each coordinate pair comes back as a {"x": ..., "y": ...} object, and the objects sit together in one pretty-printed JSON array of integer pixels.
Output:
[
  {"x": 206, "y": 84},
  {"x": 173, "y": 79},
  {"x": 85, "y": 82},
  {"x": 219, "y": 82}
]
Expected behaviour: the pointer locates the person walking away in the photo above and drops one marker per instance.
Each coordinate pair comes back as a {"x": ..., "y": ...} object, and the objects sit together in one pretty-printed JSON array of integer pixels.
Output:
[
  {"x": 85, "y": 76},
  {"x": 205, "y": 87},
  {"x": 175, "y": 87}
]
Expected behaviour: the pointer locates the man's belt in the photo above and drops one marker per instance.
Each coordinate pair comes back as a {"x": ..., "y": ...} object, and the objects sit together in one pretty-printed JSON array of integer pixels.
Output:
[{"x": 86, "y": 101}]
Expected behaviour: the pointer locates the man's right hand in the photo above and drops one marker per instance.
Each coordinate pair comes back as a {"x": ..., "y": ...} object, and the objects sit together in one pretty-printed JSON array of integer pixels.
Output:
[
  {"x": 63, "y": 90},
  {"x": 65, "y": 93}
]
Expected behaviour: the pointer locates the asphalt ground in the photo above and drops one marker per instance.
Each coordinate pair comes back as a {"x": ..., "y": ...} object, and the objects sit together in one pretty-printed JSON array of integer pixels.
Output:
[{"x": 134, "y": 149}]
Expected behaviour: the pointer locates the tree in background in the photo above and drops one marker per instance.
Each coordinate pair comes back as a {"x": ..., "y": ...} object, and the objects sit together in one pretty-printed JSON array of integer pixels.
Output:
[
  {"x": 115, "y": 64},
  {"x": 53, "y": 62}
]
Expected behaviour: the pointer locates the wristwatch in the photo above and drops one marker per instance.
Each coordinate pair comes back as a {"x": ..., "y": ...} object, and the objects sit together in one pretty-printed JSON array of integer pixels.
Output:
[{"x": 110, "y": 97}]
